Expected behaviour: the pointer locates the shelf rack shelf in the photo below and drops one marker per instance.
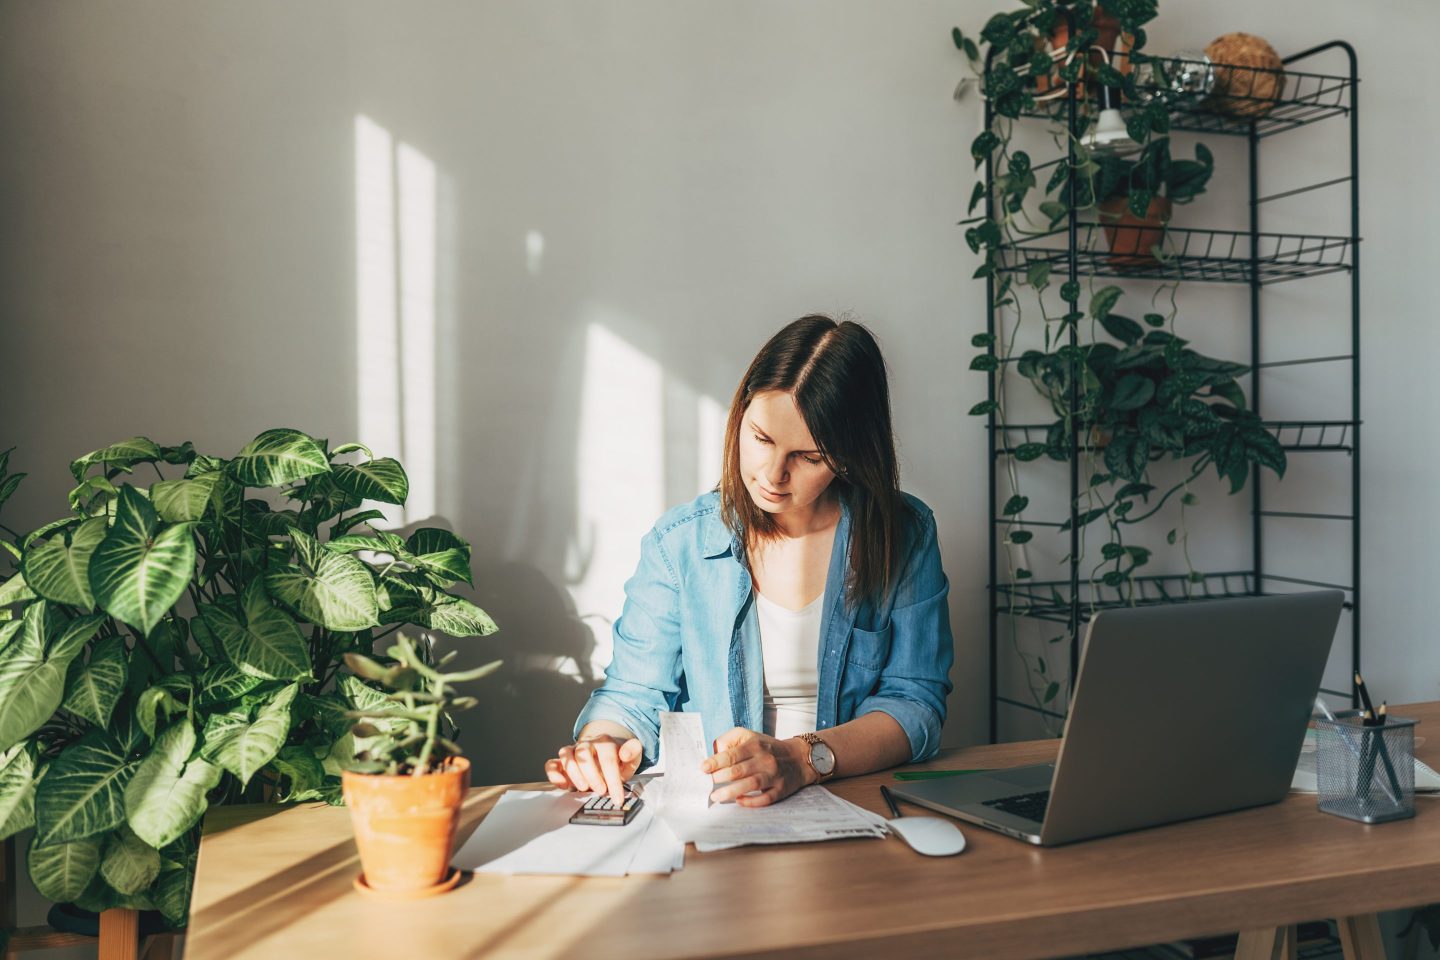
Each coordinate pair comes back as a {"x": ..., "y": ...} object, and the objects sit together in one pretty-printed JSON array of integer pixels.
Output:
[{"x": 1074, "y": 249}]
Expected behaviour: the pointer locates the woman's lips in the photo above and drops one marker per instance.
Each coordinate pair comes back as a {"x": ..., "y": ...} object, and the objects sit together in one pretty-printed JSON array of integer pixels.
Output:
[{"x": 772, "y": 497}]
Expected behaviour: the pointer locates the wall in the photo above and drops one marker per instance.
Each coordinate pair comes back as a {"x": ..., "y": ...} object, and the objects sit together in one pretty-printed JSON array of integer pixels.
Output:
[{"x": 530, "y": 248}]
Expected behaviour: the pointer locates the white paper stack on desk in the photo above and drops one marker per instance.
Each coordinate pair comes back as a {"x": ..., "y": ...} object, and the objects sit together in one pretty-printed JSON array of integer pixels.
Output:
[{"x": 528, "y": 831}]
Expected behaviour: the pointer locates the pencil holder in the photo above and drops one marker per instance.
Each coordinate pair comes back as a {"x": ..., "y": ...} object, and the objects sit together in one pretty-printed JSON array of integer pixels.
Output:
[{"x": 1366, "y": 773}]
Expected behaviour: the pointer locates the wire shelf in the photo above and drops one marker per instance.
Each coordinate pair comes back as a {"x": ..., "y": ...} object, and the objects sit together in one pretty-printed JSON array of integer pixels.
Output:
[
  {"x": 1050, "y": 599},
  {"x": 1219, "y": 256},
  {"x": 1241, "y": 96},
  {"x": 1300, "y": 436}
]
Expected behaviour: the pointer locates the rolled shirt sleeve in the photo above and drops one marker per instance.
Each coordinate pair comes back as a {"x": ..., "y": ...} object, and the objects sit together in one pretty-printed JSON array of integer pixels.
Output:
[
  {"x": 644, "y": 675},
  {"x": 915, "y": 679}
]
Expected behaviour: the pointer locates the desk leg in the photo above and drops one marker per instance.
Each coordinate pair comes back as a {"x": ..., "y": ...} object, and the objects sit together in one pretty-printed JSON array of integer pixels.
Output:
[
  {"x": 1277, "y": 943},
  {"x": 119, "y": 934},
  {"x": 1360, "y": 937}
]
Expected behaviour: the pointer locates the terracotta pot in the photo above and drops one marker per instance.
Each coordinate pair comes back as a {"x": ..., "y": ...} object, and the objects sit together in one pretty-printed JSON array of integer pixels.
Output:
[
  {"x": 1130, "y": 237},
  {"x": 405, "y": 826},
  {"x": 1110, "y": 39}
]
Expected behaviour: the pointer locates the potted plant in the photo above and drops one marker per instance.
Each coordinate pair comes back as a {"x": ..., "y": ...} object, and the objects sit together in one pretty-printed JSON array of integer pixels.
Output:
[
  {"x": 1150, "y": 396},
  {"x": 407, "y": 779},
  {"x": 1135, "y": 197},
  {"x": 170, "y": 645}
]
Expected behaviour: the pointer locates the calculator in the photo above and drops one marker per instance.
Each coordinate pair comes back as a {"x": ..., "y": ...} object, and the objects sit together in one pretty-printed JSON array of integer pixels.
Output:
[{"x": 600, "y": 810}]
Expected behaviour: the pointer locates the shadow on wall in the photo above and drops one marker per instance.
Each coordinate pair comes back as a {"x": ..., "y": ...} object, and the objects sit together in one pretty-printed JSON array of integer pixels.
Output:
[{"x": 528, "y": 706}]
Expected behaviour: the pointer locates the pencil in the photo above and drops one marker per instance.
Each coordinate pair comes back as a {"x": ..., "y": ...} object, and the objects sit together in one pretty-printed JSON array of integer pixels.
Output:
[{"x": 889, "y": 801}]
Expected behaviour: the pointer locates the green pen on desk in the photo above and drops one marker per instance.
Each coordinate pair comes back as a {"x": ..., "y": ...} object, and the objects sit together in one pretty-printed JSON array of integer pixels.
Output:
[{"x": 933, "y": 774}]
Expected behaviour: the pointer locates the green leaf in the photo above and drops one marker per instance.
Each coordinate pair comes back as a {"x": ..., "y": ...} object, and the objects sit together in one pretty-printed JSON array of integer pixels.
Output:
[
  {"x": 148, "y": 707},
  {"x": 982, "y": 340},
  {"x": 984, "y": 407},
  {"x": 1029, "y": 451},
  {"x": 976, "y": 195},
  {"x": 1127, "y": 455},
  {"x": 1170, "y": 538},
  {"x": 440, "y": 554},
  {"x": 223, "y": 682},
  {"x": 129, "y": 864},
  {"x": 1051, "y": 691},
  {"x": 17, "y": 790},
  {"x": 302, "y": 770},
  {"x": 1015, "y": 504},
  {"x": 1103, "y": 301},
  {"x": 276, "y": 457},
  {"x": 31, "y": 686},
  {"x": 167, "y": 795},
  {"x": 136, "y": 573},
  {"x": 984, "y": 362},
  {"x": 172, "y": 894},
  {"x": 123, "y": 455},
  {"x": 1122, "y": 328},
  {"x": 71, "y": 637},
  {"x": 263, "y": 640},
  {"x": 382, "y": 480},
  {"x": 62, "y": 871},
  {"x": 82, "y": 498},
  {"x": 459, "y": 618},
  {"x": 1070, "y": 291},
  {"x": 1132, "y": 392},
  {"x": 15, "y": 590},
  {"x": 351, "y": 522},
  {"x": 1021, "y": 536},
  {"x": 181, "y": 501},
  {"x": 93, "y": 688},
  {"x": 336, "y": 592},
  {"x": 244, "y": 748},
  {"x": 345, "y": 448},
  {"x": 60, "y": 569},
  {"x": 1038, "y": 274},
  {"x": 83, "y": 792}
]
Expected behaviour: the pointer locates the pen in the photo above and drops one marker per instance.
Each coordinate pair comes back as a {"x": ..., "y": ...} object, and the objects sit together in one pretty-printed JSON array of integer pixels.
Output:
[
  {"x": 1376, "y": 718},
  {"x": 890, "y": 801},
  {"x": 1340, "y": 731}
]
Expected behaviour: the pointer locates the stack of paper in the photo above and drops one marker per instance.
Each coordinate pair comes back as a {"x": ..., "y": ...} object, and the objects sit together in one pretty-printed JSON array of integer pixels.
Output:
[
  {"x": 682, "y": 801},
  {"x": 528, "y": 831}
]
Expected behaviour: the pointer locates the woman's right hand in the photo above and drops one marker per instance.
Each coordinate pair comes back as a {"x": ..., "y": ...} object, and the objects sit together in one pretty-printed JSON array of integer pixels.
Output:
[{"x": 599, "y": 764}]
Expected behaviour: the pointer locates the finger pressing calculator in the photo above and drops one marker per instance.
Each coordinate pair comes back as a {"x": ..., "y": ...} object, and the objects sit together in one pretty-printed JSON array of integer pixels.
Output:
[{"x": 601, "y": 811}]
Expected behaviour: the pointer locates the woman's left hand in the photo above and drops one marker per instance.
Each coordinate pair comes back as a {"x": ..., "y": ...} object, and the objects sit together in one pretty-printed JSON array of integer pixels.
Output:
[{"x": 748, "y": 762}]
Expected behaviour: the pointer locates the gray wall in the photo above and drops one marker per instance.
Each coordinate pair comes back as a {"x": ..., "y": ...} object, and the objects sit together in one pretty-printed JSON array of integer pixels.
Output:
[{"x": 585, "y": 218}]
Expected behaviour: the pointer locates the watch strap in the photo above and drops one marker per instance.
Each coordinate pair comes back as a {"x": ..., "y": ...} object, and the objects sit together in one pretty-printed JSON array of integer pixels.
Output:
[{"x": 813, "y": 739}]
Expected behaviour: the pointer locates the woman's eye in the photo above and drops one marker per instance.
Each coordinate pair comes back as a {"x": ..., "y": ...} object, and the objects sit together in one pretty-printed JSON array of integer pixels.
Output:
[
  {"x": 760, "y": 438},
  {"x": 813, "y": 463}
]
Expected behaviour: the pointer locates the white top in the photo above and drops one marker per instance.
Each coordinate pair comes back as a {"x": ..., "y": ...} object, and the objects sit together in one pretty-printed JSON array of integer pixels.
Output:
[{"x": 790, "y": 641}]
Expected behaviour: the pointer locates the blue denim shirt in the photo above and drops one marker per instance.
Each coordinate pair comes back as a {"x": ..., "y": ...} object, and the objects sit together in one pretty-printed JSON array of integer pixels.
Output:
[{"x": 688, "y": 638}]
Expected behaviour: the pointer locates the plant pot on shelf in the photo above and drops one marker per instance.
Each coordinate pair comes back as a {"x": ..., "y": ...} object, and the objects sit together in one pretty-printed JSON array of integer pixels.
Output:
[
  {"x": 1132, "y": 239},
  {"x": 1110, "y": 39},
  {"x": 405, "y": 828}
]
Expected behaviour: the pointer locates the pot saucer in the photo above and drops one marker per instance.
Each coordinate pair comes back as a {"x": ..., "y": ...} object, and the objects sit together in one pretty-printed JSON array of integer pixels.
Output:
[{"x": 447, "y": 884}]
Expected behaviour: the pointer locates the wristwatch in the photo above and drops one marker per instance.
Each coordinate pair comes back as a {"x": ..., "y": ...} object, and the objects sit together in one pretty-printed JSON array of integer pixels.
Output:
[{"x": 821, "y": 758}]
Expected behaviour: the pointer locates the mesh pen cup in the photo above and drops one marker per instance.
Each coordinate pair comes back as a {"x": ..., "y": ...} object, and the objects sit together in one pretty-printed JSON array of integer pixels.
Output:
[{"x": 1366, "y": 773}]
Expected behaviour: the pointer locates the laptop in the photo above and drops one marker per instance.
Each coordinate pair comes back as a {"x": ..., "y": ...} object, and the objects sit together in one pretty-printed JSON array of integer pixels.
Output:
[{"x": 1179, "y": 711}]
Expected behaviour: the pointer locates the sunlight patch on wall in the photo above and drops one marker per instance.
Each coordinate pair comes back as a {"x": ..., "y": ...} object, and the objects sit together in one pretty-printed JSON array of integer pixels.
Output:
[
  {"x": 620, "y": 477},
  {"x": 395, "y": 312}
]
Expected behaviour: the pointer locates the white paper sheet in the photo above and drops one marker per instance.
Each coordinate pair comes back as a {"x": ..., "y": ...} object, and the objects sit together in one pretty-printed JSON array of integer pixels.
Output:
[
  {"x": 809, "y": 815},
  {"x": 527, "y": 831}
]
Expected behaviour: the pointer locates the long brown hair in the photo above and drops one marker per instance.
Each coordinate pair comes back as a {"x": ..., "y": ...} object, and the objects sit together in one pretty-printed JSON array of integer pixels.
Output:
[{"x": 836, "y": 374}]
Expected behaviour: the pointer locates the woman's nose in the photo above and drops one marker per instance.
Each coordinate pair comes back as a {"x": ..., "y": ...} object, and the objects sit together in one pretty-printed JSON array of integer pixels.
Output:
[{"x": 775, "y": 472}]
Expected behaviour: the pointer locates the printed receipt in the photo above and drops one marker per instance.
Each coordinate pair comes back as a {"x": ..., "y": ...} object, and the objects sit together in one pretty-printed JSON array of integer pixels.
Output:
[{"x": 682, "y": 750}]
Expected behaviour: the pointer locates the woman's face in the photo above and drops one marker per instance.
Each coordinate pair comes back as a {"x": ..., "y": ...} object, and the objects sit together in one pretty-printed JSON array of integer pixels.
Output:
[{"x": 782, "y": 468}]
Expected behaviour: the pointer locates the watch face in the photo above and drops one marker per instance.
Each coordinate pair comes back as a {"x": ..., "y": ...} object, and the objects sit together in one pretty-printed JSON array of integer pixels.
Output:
[{"x": 822, "y": 759}]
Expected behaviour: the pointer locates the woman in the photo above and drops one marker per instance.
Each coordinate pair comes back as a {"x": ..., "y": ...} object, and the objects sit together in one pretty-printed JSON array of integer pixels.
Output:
[{"x": 800, "y": 607}]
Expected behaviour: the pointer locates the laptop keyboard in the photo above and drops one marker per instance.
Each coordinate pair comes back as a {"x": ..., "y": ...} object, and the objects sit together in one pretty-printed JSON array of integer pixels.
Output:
[{"x": 1029, "y": 805}]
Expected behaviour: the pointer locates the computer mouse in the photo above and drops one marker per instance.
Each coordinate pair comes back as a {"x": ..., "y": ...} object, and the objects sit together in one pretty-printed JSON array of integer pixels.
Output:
[{"x": 931, "y": 836}]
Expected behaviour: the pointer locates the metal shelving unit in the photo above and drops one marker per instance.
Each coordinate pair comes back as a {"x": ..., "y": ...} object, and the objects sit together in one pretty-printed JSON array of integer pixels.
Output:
[{"x": 1244, "y": 257}]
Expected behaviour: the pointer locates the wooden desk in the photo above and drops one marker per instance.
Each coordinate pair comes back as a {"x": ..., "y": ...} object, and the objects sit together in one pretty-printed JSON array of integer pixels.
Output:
[{"x": 276, "y": 882}]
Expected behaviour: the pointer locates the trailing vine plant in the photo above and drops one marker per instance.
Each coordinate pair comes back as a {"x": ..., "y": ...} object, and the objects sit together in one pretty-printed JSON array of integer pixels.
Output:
[{"x": 1132, "y": 393}]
